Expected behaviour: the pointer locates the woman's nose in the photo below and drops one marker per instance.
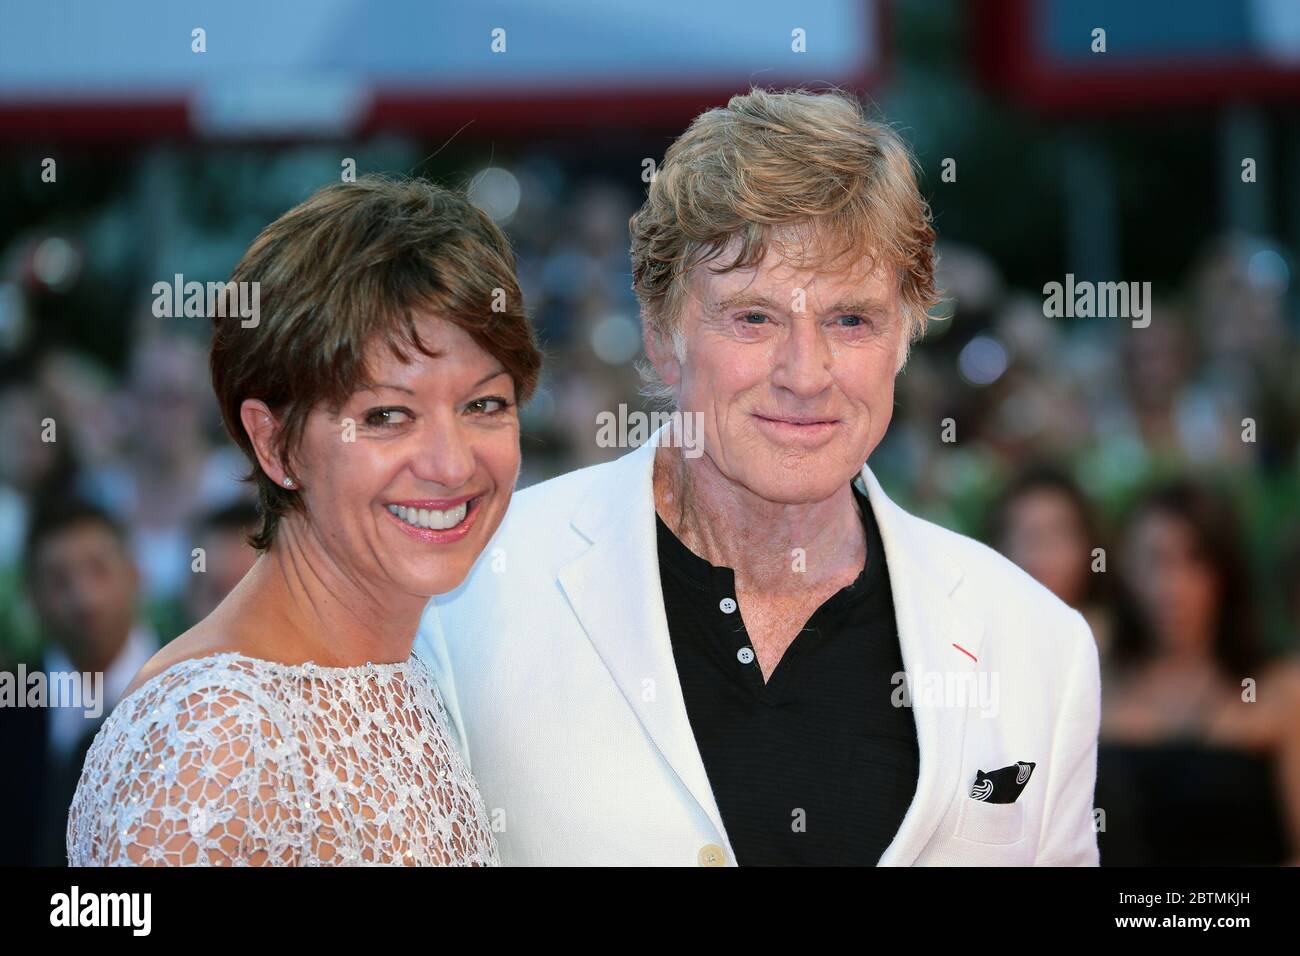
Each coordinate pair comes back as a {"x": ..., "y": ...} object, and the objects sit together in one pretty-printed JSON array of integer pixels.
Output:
[{"x": 444, "y": 456}]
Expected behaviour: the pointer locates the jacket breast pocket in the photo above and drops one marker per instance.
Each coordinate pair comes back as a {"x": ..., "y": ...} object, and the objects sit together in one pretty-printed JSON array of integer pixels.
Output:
[{"x": 993, "y": 823}]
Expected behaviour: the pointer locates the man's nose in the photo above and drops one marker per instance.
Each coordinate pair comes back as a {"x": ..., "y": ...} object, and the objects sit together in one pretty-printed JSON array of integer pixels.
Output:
[
  {"x": 84, "y": 597},
  {"x": 803, "y": 361}
]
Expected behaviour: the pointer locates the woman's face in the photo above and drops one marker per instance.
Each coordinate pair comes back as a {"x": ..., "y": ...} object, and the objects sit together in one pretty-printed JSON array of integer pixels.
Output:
[
  {"x": 1045, "y": 537},
  {"x": 407, "y": 482},
  {"x": 1175, "y": 586}
]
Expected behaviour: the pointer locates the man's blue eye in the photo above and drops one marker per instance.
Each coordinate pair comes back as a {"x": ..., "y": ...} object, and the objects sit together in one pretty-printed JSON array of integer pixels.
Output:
[
  {"x": 851, "y": 320},
  {"x": 754, "y": 315}
]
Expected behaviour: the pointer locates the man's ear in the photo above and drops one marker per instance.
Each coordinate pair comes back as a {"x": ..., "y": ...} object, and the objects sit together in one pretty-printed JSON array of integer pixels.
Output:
[
  {"x": 261, "y": 425},
  {"x": 659, "y": 349}
]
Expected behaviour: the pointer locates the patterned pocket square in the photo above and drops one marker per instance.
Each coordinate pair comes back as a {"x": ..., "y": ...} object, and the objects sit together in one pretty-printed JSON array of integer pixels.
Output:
[{"x": 1002, "y": 785}]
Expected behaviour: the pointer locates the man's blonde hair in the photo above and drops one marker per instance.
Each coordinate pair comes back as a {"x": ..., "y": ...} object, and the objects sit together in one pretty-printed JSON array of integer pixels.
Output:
[{"x": 810, "y": 164}]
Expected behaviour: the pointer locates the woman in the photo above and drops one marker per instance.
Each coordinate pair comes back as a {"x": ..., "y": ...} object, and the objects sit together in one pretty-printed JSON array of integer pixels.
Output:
[
  {"x": 376, "y": 396},
  {"x": 1199, "y": 745},
  {"x": 1045, "y": 523}
]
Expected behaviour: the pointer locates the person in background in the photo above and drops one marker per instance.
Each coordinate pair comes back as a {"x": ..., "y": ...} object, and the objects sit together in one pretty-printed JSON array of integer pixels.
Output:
[
  {"x": 84, "y": 586},
  {"x": 170, "y": 473},
  {"x": 1199, "y": 755},
  {"x": 223, "y": 535},
  {"x": 85, "y": 394},
  {"x": 1045, "y": 523},
  {"x": 31, "y": 468},
  {"x": 1289, "y": 588}
]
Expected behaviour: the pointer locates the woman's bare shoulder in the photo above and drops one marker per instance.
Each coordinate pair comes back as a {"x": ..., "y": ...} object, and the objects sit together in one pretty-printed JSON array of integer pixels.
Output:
[{"x": 202, "y": 640}]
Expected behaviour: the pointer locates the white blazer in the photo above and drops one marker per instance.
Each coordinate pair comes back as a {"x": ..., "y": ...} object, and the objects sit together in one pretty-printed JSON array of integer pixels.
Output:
[{"x": 555, "y": 665}]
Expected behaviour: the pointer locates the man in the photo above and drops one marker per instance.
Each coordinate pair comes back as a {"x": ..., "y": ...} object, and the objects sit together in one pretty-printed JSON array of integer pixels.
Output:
[
  {"x": 223, "y": 535},
  {"x": 740, "y": 651},
  {"x": 84, "y": 588}
]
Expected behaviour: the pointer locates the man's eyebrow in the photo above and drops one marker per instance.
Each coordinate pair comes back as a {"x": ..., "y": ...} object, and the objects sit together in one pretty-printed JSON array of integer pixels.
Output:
[
  {"x": 860, "y": 307},
  {"x": 741, "y": 299},
  {"x": 851, "y": 306}
]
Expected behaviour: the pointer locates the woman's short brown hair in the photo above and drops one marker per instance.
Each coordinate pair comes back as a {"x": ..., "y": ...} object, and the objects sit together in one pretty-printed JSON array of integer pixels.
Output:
[
  {"x": 772, "y": 159},
  {"x": 346, "y": 269}
]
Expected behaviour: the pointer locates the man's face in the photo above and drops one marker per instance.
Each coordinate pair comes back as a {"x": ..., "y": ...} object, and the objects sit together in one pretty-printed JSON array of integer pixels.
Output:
[
  {"x": 84, "y": 586},
  {"x": 24, "y": 458},
  {"x": 229, "y": 557},
  {"x": 792, "y": 369}
]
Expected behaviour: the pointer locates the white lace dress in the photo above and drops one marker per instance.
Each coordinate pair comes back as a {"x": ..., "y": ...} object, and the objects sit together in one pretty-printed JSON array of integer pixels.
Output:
[{"x": 232, "y": 760}]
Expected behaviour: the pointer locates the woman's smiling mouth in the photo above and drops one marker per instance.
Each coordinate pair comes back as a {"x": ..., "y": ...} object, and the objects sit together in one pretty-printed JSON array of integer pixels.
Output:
[{"x": 436, "y": 521}]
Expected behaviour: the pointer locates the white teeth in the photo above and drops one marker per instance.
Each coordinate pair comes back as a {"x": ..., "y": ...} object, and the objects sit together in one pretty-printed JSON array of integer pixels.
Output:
[{"x": 431, "y": 518}]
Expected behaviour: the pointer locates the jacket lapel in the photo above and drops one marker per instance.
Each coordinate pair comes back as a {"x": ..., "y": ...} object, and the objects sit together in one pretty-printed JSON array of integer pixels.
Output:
[
  {"x": 938, "y": 643},
  {"x": 615, "y": 591}
]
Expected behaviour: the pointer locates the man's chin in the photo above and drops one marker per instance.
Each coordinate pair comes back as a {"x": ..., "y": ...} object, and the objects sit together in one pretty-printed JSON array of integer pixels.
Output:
[{"x": 805, "y": 486}]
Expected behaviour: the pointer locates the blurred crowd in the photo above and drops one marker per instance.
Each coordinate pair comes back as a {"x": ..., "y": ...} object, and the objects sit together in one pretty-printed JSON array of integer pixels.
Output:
[{"x": 1150, "y": 477}]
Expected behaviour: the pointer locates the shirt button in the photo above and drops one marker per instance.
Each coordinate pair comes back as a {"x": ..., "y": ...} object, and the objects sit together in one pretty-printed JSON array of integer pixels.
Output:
[
  {"x": 745, "y": 655},
  {"x": 712, "y": 855},
  {"x": 727, "y": 606}
]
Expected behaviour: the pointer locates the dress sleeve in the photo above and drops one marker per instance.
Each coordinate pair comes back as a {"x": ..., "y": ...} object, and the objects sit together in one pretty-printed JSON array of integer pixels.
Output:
[{"x": 196, "y": 772}]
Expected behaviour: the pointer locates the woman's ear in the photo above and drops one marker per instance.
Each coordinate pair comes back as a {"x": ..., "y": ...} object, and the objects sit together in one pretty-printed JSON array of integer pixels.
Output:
[{"x": 261, "y": 425}]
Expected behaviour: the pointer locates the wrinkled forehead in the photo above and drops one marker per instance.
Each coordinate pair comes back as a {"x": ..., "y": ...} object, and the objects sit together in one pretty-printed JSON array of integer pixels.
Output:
[{"x": 801, "y": 265}]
